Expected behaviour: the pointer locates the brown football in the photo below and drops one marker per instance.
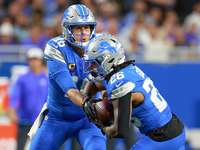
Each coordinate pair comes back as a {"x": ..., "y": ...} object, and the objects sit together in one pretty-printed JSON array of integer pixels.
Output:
[{"x": 104, "y": 111}]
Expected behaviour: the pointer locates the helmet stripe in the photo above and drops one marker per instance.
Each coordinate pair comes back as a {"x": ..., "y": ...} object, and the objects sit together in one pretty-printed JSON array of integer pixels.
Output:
[{"x": 83, "y": 11}]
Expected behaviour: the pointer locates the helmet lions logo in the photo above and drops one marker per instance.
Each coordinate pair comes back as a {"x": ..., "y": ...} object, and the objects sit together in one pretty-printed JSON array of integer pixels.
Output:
[
  {"x": 106, "y": 46},
  {"x": 67, "y": 14}
]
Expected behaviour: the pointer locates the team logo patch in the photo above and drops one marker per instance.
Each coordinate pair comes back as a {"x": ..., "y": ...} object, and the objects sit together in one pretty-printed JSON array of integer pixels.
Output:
[{"x": 72, "y": 66}]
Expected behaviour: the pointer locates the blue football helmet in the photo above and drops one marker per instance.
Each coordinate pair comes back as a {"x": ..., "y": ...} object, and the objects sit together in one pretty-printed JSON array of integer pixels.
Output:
[
  {"x": 77, "y": 15},
  {"x": 104, "y": 51}
]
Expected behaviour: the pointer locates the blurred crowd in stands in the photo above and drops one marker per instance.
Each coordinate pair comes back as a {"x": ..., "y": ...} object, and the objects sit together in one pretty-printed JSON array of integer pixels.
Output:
[{"x": 148, "y": 28}]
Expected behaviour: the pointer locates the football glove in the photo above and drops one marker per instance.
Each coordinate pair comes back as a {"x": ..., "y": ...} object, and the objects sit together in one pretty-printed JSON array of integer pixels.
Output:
[{"x": 88, "y": 106}]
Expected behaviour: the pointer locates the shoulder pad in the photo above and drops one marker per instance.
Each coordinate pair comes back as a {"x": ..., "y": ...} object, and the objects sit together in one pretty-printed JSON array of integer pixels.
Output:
[
  {"x": 121, "y": 89},
  {"x": 54, "y": 53}
]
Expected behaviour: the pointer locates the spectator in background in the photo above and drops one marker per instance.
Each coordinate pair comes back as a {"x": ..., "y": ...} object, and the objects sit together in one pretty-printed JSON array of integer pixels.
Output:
[
  {"x": 138, "y": 7},
  {"x": 156, "y": 49},
  {"x": 99, "y": 25},
  {"x": 62, "y": 5},
  {"x": 136, "y": 19},
  {"x": 193, "y": 18},
  {"x": 49, "y": 7},
  {"x": 28, "y": 95},
  {"x": 2, "y": 10},
  {"x": 168, "y": 28},
  {"x": 140, "y": 29},
  {"x": 164, "y": 4},
  {"x": 36, "y": 37},
  {"x": 112, "y": 26},
  {"x": 180, "y": 38},
  {"x": 58, "y": 29},
  {"x": 38, "y": 5},
  {"x": 126, "y": 5},
  {"x": 93, "y": 6},
  {"x": 7, "y": 34},
  {"x": 192, "y": 36},
  {"x": 53, "y": 7},
  {"x": 155, "y": 16},
  {"x": 21, "y": 27},
  {"x": 109, "y": 14},
  {"x": 49, "y": 27},
  {"x": 37, "y": 17},
  {"x": 135, "y": 52},
  {"x": 14, "y": 9},
  {"x": 25, "y": 7},
  {"x": 184, "y": 45}
]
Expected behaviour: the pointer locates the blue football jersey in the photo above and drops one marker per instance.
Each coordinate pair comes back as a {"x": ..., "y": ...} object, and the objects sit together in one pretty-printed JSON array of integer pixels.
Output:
[
  {"x": 65, "y": 72},
  {"x": 154, "y": 112}
]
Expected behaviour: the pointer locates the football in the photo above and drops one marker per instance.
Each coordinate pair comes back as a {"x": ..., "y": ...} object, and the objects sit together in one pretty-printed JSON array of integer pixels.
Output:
[{"x": 104, "y": 110}]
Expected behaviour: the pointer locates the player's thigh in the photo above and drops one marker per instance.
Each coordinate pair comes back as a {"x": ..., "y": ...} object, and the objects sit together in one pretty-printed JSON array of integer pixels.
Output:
[
  {"x": 49, "y": 136},
  {"x": 147, "y": 143},
  {"x": 91, "y": 137}
]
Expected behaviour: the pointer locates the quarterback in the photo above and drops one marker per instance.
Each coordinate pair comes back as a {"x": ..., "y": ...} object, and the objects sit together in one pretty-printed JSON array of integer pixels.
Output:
[{"x": 64, "y": 117}]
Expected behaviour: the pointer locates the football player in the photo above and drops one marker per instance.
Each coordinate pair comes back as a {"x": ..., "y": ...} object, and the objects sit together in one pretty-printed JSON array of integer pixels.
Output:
[
  {"x": 134, "y": 97},
  {"x": 64, "y": 117}
]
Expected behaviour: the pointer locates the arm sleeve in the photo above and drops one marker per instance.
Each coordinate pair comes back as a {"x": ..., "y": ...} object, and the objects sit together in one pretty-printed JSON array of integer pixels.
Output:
[
  {"x": 123, "y": 116},
  {"x": 61, "y": 75}
]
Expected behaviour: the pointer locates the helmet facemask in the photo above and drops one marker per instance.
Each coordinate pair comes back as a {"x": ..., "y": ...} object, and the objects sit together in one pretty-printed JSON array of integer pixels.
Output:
[{"x": 95, "y": 73}]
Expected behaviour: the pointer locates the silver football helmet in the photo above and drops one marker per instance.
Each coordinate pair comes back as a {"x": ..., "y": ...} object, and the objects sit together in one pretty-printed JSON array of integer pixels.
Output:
[
  {"x": 104, "y": 51},
  {"x": 77, "y": 15}
]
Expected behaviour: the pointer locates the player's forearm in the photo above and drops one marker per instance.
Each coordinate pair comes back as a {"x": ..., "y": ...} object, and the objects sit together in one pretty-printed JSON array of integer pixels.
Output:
[
  {"x": 104, "y": 94},
  {"x": 75, "y": 96},
  {"x": 90, "y": 88},
  {"x": 111, "y": 131}
]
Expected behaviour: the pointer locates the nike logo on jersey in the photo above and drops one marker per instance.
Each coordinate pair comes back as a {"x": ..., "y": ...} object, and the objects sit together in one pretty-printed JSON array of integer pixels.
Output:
[
  {"x": 55, "y": 46},
  {"x": 117, "y": 85}
]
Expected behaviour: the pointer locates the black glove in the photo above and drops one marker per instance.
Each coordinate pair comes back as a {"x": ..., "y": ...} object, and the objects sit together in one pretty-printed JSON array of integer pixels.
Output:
[
  {"x": 99, "y": 124},
  {"x": 88, "y": 106}
]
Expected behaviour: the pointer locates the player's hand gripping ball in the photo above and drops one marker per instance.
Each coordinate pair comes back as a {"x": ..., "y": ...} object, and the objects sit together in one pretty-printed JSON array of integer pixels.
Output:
[{"x": 104, "y": 111}]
